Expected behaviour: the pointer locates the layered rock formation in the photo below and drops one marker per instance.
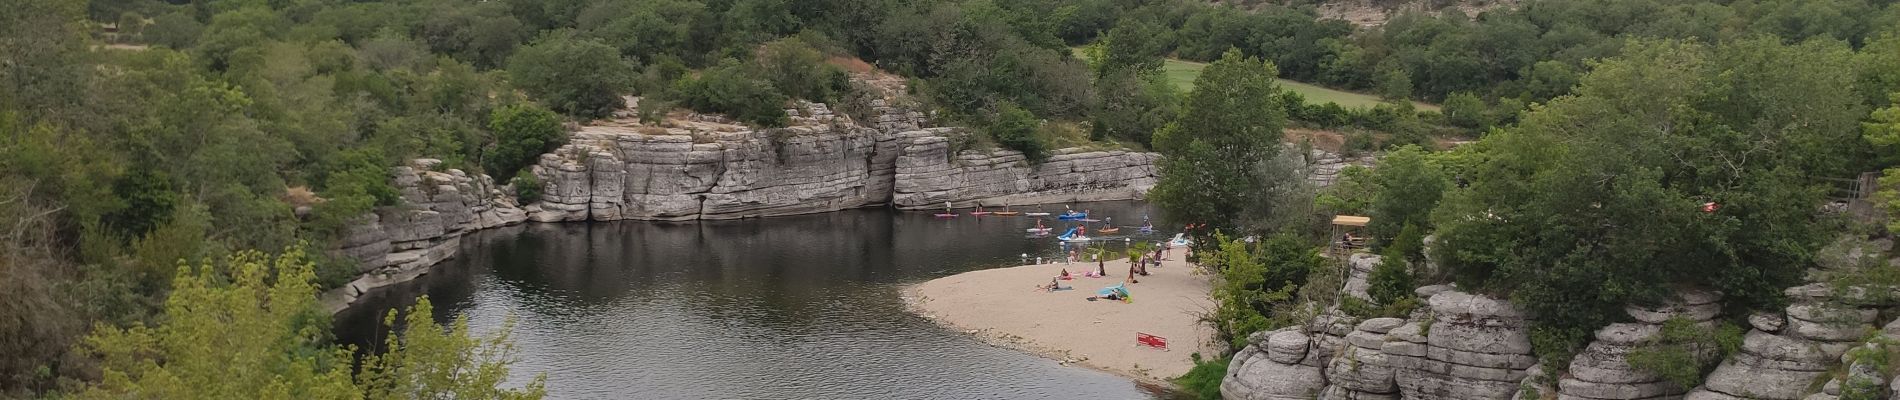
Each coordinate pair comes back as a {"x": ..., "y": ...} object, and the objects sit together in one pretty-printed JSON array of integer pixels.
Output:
[
  {"x": 709, "y": 169},
  {"x": 1786, "y": 354},
  {"x": 1603, "y": 372},
  {"x": 928, "y": 175},
  {"x": 396, "y": 244},
  {"x": 1466, "y": 347}
]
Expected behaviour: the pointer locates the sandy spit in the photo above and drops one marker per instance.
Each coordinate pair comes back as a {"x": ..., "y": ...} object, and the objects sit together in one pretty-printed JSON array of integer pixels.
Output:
[{"x": 1002, "y": 307}]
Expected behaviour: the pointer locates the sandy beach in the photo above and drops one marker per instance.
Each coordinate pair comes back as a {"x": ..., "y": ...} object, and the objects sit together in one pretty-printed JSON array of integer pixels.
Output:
[{"x": 1003, "y": 307}]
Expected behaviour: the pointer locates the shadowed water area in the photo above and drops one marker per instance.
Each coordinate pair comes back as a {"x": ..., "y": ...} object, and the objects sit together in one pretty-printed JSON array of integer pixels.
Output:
[{"x": 788, "y": 307}]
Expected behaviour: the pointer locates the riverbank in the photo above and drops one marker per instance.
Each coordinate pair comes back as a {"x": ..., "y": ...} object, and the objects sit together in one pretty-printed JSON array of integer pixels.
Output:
[{"x": 1002, "y": 307}]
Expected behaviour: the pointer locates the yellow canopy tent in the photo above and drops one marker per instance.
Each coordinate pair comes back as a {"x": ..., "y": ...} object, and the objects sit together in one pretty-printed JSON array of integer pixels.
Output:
[{"x": 1349, "y": 224}]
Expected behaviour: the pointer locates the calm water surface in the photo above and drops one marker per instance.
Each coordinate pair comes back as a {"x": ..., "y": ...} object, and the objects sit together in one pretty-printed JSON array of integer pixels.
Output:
[{"x": 787, "y": 307}]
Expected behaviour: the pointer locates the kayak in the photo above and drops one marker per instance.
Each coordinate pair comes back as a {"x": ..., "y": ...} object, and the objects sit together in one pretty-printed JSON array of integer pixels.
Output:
[
  {"x": 1071, "y": 216},
  {"x": 1006, "y": 213},
  {"x": 1036, "y": 214},
  {"x": 1109, "y": 230},
  {"x": 1039, "y": 231},
  {"x": 1072, "y": 236}
]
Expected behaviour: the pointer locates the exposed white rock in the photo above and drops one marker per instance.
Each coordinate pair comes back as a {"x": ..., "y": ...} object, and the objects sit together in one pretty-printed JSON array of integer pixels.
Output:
[{"x": 397, "y": 244}]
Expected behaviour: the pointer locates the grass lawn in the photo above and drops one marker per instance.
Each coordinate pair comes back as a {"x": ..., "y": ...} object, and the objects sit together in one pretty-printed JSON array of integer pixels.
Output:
[{"x": 1182, "y": 73}]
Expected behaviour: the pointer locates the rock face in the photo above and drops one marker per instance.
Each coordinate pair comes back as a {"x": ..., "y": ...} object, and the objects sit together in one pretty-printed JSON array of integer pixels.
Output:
[
  {"x": 1602, "y": 371},
  {"x": 1470, "y": 346},
  {"x": 1475, "y": 347},
  {"x": 706, "y": 167},
  {"x": 1467, "y": 347},
  {"x": 1783, "y": 362},
  {"x": 396, "y": 244},
  {"x": 709, "y": 169},
  {"x": 1275, "y": 366},
  {"x": 929, "y": 175},
  {"x": 1323, "y": 167}
]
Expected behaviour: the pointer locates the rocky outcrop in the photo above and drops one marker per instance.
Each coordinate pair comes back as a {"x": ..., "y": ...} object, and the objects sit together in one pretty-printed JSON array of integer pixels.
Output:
[
  {"x": 1475, "y": 347},
  {"x": 707, "y": 168},
  {"x": 1603, "y": 372},
  {"x": 398, "y": 243},
  {"x": 1466, "y": 347},
  {"x": 928, "y": 175},
  {"x": 1323, "y": 167},
  {"x": 1785, "y": 355},
  {"x": 1276, "y": 365},
  {"x": 1362, "y": 370}
]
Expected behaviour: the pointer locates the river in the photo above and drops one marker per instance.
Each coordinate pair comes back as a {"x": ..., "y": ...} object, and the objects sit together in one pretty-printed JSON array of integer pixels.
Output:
[{"x": 786, "y": 307}]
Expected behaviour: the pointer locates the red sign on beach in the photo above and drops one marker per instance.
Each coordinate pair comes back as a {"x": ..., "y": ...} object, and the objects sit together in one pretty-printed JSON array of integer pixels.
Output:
[{"x": 1144, "y": 339}]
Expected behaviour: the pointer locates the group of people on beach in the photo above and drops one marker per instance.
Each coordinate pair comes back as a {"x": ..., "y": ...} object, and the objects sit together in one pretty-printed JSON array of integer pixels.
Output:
[{"x": 1137, "y": 266}]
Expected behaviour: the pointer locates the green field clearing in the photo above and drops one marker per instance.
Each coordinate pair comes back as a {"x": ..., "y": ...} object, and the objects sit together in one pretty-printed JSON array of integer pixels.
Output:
[{"x": 1182, "y": 73}]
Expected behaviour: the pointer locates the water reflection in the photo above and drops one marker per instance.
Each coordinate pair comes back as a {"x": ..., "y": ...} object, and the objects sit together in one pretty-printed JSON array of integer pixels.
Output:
[{"x": 791, "y": 307}]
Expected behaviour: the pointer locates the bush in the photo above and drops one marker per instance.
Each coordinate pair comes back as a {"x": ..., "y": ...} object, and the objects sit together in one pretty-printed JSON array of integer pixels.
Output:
[
  {"x": 1409, "y": 188},
  {"x": 527, "y": 188},
  {"x": 1684, "y": 351},
  {"x": 1015, "y": 129},
  {"x": 798, "y": 70},
  {"x": 1391, "y": 280},
  {"x": 523, "y": 132},
  {"x": 731, "y": 89},
  {"x": 579, "y": 77},
  {"x": 1203, "y": 382}
]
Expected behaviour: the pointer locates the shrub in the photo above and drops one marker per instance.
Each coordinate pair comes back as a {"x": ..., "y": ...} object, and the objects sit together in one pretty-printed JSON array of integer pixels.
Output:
[
  {"x": 527, "y": 188},
  {"x": 1391, "y": 280},
  {"x": 1203, "y": 382},
  {"x": 523, "y": 132},
  {"x": 798, "y": 70},
  {"x": 1015, "y": 129},
  {"x": 730, "y": 88},
  {"x": 579, "y": 77},
  {"x": 1683, "y": 352}
]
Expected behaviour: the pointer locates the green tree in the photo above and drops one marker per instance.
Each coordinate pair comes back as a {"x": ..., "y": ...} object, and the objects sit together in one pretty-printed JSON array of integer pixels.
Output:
[
  {"x": 249, "y": 327},
  {"x": 1394, "y": 83},
  {"x": 249, "y": 338},
  {"x": 176, "y": 29},
  {"x": 579, "y": 77},
  {"x": 1467, "y": 111},
  {"x": 430, "y": 361},
  {"x": 1016, "y": 129},
  {"x": 1132, "y": 107},
  {"x": 523, "y": 132},
  {"x": 1228, "y": 131},
  {"x": 1409, "y": 188},
  {"x": 734, "y": 89},
  {"x": 798, "y": 70},
  {"x": 1391, "y": 281},
  {"x": 1133, "y": 45},
  {"x": 1597, "y": 200}
]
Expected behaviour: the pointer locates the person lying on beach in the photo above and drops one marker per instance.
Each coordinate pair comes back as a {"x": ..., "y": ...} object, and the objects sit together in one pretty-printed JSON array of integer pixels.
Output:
[{"x": 1065, "y": 275}]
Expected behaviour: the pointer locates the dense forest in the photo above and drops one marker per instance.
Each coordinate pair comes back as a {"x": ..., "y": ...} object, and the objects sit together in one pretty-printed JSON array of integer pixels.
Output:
[
  {"x": 150, "y": 149},
  {"x": 1636, "y": 149}
]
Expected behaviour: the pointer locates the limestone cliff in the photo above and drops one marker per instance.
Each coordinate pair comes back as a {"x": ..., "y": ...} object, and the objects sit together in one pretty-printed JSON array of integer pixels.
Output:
[
  {"x": 396, "y": 244},
  {"x": 707, "y": 168},
  {"x": 1470, "y": 346}
]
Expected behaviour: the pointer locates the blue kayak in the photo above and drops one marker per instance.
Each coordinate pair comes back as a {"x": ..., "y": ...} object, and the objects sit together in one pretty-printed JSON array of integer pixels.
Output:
[{"x": 1072, "y": 215}]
